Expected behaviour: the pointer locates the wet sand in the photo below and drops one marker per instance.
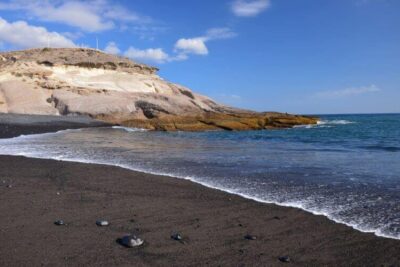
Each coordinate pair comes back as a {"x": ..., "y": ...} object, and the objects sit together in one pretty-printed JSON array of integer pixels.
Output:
[
  {"x": 35, "y": 192},
  {"x": 12, "y": 125}
]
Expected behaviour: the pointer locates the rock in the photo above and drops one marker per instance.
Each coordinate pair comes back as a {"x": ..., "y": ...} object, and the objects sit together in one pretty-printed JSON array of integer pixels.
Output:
[
  {"x": 102, "y": 223},
  {"x": 284, "y": 259},
  {"x": 131, "y": 241},
  {"x": 176, "y": 237},
  {"x": 277, "y": 218},
  {"x": 59, "y": 222},
  {"x": 9, "y": 186},
  {"x": 117, "y": 90},
  {"x": 250, "y": 237}
]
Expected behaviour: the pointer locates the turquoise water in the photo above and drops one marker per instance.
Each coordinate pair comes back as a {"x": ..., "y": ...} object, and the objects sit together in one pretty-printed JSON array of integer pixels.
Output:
[{"x": 347, "y": 167}]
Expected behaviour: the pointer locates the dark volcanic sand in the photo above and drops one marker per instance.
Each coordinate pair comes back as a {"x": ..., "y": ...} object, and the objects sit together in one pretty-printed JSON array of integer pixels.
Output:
[
  {"x": 212, "y": 223},
  {"x": 13, "y": 124}
]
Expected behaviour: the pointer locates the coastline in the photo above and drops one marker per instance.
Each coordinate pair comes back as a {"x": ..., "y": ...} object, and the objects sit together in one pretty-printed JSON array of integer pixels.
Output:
[
  {"x": 12, "y": 125},
  {"x": 213, "y": 223}
]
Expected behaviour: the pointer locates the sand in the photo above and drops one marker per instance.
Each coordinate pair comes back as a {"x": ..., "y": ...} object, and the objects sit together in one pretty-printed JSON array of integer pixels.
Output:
[{"x": 36, "y": 192}]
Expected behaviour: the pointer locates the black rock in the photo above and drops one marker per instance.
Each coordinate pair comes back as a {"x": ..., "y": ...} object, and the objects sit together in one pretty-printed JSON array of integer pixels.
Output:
[
  {"x": 176, "y": 237},
  {"x": 250, "y": 237},
  {"x": 277, "y": 218},
  {"x": 284, "y": 259},
  {"x": 59, "y": 222}
]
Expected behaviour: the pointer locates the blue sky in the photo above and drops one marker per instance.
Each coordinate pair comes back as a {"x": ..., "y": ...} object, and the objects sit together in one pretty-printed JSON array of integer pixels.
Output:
[{"x": 303, "y": 56}]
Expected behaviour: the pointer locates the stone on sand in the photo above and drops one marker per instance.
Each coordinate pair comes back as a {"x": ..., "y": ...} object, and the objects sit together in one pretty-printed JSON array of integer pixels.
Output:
[
  {"x": 131, "y": 241},
  {"x": 102, "y": 223}
]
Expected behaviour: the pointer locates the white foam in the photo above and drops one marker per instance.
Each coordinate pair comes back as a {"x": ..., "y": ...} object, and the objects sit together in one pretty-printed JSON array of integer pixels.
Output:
[
  {"x": 298, "y": 204},
  {"x": 129, "y": 129},
  {"x": 28, "y": 136},
  {"x": 337, "y": 122}
]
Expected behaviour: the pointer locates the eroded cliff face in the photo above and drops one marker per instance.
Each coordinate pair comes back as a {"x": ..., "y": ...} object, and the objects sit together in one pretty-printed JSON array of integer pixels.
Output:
[{"x": 117, "y": 90}]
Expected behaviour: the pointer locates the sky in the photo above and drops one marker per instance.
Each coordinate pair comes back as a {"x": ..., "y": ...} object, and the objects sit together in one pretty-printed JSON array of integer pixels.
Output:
[{"x": 297, "y": 56}]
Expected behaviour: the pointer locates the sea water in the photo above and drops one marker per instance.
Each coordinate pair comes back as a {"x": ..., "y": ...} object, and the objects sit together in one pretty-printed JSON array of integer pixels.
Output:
[{"x": 347, "y": 167}]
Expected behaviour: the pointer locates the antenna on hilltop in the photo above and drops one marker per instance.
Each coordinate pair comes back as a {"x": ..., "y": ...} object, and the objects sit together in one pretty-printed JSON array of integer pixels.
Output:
[
  {"x": 97, "y": 44},
  {"x": 48, "y": 41}
]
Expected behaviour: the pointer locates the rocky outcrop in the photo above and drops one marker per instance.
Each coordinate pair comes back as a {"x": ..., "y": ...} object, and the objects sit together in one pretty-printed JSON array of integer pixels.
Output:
[
  {"x": 117, "y": 90},
  {"x": 220, "y": 121}
]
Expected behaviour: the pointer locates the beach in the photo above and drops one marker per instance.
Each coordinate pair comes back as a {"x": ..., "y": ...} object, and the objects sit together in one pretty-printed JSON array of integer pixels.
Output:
[{"x": 36, "y": 192}]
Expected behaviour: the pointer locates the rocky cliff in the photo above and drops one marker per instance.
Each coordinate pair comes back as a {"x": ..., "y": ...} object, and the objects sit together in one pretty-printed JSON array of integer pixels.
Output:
[{"x": 118, "y": 90}]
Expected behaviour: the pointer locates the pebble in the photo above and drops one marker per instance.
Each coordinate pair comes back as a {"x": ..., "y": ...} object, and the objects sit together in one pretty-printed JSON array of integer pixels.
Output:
[
  {"x": 9, "y": 186},
  {"x": 131, "y": 241},
  {"x": 284, "y": 259},
  {"x": 102, "y": 223},
  {"x": 176, "y": 237},
  {"x": 59, "y": 222},
  {"x": 250, "y": 237}
]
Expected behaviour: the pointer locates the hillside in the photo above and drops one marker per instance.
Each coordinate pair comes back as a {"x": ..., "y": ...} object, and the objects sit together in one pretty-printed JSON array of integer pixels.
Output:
[{"x": 77, "y": 81}]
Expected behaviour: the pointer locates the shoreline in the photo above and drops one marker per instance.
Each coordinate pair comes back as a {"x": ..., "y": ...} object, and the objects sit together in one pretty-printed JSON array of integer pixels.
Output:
[
  {"x": 250, "y": 198},
  {"x": 13, "y": 125},
  {"x": 132, "y": 203},
  {"x": 213, "y": 222}
]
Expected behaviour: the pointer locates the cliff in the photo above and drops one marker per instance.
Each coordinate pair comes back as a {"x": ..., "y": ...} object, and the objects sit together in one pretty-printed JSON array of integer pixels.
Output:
[{"x": 71, "y": 81}]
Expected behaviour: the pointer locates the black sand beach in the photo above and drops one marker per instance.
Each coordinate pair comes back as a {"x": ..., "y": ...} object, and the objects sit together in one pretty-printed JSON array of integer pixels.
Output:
[
  {"x": 35, "y": 192},
  {"x": 12, "y": 125}
]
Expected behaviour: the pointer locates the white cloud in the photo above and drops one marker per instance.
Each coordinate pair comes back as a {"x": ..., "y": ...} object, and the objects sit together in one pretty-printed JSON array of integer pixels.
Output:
[
  {"x": 112, "y": 48},
  {"x": 348, "y": 92},
  {"x": 122, "y": 14},
  {"x": 22, "y": 35},
  {"x": 220, "y": 33},
  {"x": 156, "y": 55},
  {"x": 89, "y": 16},
  {"x": 72, "y": 35},
  {"x": 197, "y": 45},
  {"x": 182, "y": 48},
  {"x": 191, "y": 46},
  {"x": 249, "y": 8}
]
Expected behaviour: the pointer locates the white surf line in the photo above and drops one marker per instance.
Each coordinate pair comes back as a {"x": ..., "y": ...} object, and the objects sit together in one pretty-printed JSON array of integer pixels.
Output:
[
  {"x": 377, "y": 232},
  {"x": 27, "y": 136}
]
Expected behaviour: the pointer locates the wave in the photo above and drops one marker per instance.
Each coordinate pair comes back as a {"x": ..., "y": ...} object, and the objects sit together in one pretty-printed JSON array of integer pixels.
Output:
[
  {"x": 327, "y": 212},
  {"x": 324, "y": 124},
  {"x": 27, "y": 136},
  {"x": 129, "y": 129},
  {"x": 334, "y": 122},
  {"x": 311, "y": 126}
]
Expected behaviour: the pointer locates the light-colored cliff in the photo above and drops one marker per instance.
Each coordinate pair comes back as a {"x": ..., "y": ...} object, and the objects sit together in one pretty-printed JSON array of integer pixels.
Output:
[{"x": 117, "y": 90}]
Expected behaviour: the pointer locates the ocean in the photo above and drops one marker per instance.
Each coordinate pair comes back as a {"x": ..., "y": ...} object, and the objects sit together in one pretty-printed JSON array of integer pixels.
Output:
[{"x": 346, "y": 168}]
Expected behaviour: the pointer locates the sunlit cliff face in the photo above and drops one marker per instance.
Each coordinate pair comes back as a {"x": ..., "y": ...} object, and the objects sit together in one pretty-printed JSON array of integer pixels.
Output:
[{"x": 115, "y": 89}]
